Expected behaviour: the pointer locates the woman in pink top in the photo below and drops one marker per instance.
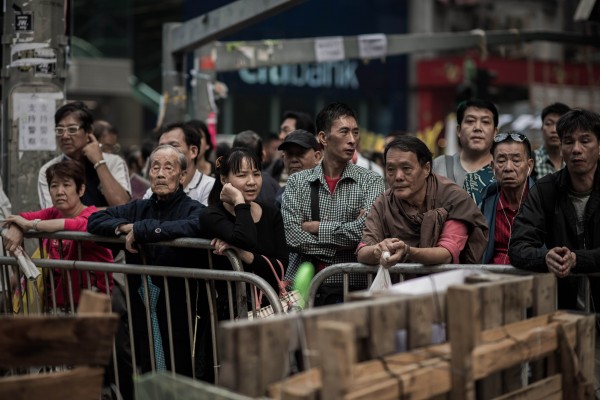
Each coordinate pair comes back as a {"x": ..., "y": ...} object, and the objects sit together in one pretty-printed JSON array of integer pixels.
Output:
[{"x": 66, "y": 183}]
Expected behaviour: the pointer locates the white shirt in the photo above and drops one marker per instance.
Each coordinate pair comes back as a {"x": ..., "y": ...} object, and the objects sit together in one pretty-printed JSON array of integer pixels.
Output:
[
  {"x": 368, "y": 164},
  {"x": 116, "y": 165},
  {"x": 198, "y": 189}
]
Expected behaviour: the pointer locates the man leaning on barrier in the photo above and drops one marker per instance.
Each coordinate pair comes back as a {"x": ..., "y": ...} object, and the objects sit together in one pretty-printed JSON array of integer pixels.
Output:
[
  {"x": 423, "y": 217},
  {"x": 168, "y": 214},
  {"x": 558, "y": 228},
  {"x": 502, "y": 199},
  {"x": 324, "y": 208}
]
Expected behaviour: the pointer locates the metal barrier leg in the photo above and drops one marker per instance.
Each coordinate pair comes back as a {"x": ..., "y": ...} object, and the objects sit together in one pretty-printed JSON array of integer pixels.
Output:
[
  {"x": 192, "y": 323},
  {"x": 5, "y": 301},
  {"x": 134, "y": 368},
  {"x": 213, "y": 330},
  {"x": 169, "y": 325},
  {"x": 149, "y": 323},
  {"x": 346, "y": 287},
  {"x": 586, "y": 293}
]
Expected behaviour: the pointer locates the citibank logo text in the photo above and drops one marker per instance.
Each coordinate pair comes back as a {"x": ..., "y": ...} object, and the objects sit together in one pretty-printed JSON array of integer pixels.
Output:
[{"x": 339, "y": 75}]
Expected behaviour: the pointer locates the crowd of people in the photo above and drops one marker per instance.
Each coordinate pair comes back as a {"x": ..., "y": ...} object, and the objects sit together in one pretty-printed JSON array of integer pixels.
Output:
[{"x": 303, "y": 196}]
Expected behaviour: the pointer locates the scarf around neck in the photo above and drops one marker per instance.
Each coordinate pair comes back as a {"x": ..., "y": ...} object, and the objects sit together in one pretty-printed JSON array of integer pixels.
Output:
[{"x": 444, "y": 200}]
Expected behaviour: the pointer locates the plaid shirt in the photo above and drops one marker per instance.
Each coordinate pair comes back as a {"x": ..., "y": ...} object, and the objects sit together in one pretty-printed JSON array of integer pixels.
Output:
[
  {"x": 543, "y": 165},
  {"x": 340, "y": 229}
]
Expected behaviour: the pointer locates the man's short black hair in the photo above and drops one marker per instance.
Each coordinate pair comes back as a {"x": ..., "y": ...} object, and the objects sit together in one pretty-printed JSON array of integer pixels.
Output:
[
  {"x": 578, "y": 120},
  {"x": 270, "y": 137},
  {"x": 477, "y": 103},
  {"x": 303, "y": 120},
  {"x": 410, "y": 144},
  {"x": 80, "y": 110},
  {"x": 332, "y": 112},
  {"x": 555, "y": 108},
  {"x": 191, "y": 135}
]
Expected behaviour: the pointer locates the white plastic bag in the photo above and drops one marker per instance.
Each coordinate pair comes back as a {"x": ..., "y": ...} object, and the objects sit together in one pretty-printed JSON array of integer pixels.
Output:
[{"x": 382, "y": 280}]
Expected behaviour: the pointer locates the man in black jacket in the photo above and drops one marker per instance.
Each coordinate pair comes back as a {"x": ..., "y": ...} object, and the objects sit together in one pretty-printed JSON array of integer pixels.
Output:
[
  {"x": 558, "y": 228},
  {"x": 168, "y": 214}
]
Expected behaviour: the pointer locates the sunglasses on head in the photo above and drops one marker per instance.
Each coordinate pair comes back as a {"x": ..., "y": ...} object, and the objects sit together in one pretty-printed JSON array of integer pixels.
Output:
[{"x": 516, "y": 136}]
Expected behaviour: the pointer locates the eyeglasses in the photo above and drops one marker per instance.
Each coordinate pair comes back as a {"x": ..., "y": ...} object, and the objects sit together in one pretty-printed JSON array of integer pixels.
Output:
[
  {"x": 71, "y": 130},
  {"x": 516, "y": 136}
]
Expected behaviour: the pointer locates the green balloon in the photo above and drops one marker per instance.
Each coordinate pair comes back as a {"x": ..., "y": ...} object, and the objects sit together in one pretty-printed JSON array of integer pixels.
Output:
[{"x": 305, "y": 273}]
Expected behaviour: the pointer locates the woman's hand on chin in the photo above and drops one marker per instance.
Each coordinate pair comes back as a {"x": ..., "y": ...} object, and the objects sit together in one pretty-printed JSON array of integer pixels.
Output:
[{"x": 231, "y": 195}]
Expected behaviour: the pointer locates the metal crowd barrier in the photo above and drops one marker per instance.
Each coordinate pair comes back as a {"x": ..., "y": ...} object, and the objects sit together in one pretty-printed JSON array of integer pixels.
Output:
[
  {"x": 204, "y": 272},
  {"x": 420, "y": 269}
]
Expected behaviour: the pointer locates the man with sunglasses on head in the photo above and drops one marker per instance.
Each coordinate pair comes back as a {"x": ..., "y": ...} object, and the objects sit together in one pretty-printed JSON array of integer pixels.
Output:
[
  {"x": 471, "y": 167},
  {"x": 106, "y": 175},
  {"x": 512, "y": 166},
  {"x": 558, "y": 228}
]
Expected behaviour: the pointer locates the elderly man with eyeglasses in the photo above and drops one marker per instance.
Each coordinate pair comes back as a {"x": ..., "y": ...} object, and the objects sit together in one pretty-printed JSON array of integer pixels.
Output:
[
  {"x": 512, "y": 165},
  {"x": 106, "y": 175}
]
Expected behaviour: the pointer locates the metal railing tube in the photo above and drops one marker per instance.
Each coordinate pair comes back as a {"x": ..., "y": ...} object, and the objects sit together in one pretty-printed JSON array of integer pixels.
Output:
[{"x": 138, "y": 269}]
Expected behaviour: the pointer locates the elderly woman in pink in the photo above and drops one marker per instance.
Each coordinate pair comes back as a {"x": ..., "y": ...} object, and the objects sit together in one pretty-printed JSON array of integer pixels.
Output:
[{"x": 68, "y": 213}]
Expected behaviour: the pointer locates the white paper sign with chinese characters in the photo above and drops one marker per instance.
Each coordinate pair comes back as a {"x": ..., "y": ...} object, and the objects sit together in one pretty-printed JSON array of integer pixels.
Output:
[
  {"x": 372, "y": 46},
  {"x": 34, "y": 114},
  {"x": 329, "y": 49}
]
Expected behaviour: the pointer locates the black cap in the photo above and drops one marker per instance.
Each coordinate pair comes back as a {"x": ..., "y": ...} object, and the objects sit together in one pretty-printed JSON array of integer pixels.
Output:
[{"x": 300, "y": 137}]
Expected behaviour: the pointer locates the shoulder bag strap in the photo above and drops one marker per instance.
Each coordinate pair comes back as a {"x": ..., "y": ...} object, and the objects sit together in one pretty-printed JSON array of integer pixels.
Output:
[
  {"x": 280, "y": 282},
  {"x": 314, "y": 200}
]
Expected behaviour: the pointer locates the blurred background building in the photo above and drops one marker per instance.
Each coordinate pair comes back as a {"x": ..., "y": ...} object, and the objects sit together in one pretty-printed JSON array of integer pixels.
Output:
[{"x": 116, "y": 63}]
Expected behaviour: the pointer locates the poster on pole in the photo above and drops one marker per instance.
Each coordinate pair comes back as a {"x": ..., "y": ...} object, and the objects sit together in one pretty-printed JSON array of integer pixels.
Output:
[{"x": 33, "y": 113}]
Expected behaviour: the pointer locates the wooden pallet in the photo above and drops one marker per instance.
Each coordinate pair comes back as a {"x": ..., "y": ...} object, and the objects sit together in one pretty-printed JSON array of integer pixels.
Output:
[
  {"x": 255, "y": 355},
  {"x": 453, "y": 368},
  {"x": 83, "y": 342}
]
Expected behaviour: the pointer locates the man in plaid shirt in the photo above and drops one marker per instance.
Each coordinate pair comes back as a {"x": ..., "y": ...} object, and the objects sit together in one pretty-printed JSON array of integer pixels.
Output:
[
  {"x": 324, "y": 208},
  {"x": 548, "y": 158}
]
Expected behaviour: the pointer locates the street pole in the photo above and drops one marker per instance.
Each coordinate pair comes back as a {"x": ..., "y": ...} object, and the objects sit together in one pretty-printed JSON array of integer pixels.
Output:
[{"x": 33, "y": 86}]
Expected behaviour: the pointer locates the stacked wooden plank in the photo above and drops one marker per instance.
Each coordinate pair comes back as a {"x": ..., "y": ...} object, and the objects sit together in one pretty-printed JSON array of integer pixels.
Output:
[
  {"x": 80, "y": 345},
  {"x": 362, "y": 351}
]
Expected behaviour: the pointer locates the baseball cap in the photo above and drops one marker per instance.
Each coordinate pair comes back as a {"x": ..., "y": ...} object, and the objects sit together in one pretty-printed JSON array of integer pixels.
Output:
[{"x": 301, "y": 138}]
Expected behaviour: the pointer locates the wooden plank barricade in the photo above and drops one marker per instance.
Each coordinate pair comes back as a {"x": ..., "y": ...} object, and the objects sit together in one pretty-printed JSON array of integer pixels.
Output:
[
  {"x": 350, "y": 351},
  {"x": 82, "y": 343}
]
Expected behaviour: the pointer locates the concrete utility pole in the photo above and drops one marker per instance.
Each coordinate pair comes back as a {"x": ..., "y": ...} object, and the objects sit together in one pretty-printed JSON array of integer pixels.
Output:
[{"x": 33, "y": 86}]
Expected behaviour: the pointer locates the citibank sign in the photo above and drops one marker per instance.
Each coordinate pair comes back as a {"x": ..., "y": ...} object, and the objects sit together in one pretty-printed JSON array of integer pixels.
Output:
[{"x": 339, "y": 75}]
